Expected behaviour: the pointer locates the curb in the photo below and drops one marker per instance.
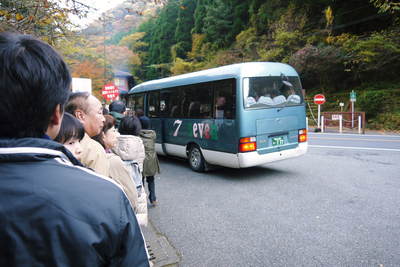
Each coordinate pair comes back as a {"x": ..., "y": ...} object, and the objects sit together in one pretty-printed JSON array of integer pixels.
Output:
[{"x": 161, "y": 251}]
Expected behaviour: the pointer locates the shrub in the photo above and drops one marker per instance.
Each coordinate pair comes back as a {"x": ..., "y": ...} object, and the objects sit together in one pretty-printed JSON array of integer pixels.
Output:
[{"x": 386, "y": 121}]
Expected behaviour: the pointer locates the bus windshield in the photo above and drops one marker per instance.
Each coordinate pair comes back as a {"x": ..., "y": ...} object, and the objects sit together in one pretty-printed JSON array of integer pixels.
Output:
[{"x": 272, "y": 91}]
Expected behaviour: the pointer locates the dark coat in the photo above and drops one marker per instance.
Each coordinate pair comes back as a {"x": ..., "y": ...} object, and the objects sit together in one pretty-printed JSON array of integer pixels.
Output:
[
  {"x": 151, "y": 166},
  {"x": 53, "y": 213},
  {"x": 118, "y": 117}
]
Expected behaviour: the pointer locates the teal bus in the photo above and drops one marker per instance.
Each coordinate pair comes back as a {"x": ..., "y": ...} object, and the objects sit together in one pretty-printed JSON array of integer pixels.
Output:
[{"x": 237, "y": 116}]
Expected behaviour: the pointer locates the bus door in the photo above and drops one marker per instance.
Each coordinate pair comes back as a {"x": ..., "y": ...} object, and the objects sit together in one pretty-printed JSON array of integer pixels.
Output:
[
  {"x": 154, "y": 108},
  {"x": 224, "y": 113}
]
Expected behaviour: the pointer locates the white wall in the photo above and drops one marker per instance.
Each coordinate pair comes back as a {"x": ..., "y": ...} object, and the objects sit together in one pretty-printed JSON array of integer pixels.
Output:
[{"x": 82, "y": 85}]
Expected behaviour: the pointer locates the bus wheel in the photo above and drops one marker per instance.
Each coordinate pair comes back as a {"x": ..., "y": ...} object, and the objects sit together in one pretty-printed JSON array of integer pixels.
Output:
[{"x": 196, "y": 159}]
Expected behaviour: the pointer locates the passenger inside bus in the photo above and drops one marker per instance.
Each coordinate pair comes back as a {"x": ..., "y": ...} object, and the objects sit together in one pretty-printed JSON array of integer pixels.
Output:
[
  {"x": 277, "y": 97},
  {"x": 293, "y": 97},
  {"x": 174, "y": 111},
  {"x": 220, "y": 107},
  {"x": 265, "y": 98},
  {"x": 194, "y": 109}
]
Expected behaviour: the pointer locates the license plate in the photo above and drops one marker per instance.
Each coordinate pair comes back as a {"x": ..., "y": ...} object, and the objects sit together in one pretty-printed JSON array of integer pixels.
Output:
[{"x": 278, "y": 141}]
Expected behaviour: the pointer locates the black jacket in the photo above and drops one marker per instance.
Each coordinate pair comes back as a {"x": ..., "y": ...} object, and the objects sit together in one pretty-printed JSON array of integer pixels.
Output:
[{"x": 53, "y": 213}]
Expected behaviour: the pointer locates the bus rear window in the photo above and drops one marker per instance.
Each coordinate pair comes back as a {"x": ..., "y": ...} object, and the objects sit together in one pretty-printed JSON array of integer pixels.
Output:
[{"x": 272, "y": 91}]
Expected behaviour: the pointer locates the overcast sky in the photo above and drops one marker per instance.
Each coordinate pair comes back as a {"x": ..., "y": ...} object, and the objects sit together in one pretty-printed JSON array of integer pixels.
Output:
[{"x": 100, "y": 5}]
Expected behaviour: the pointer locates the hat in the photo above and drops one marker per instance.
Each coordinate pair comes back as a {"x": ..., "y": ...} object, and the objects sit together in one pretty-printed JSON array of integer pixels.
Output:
[
  {"x": 117, "y": 106},
  {"x": 145, "y": 122}
]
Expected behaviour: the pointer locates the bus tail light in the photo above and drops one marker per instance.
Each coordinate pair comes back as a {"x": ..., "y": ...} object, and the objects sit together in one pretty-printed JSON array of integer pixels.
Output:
[
  {"x": 247, "y": 144},
  {"x": 302, "y": 135}
]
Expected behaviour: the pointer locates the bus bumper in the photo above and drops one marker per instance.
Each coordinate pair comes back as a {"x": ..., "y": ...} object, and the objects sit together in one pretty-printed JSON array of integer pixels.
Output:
[{"x": 250, "y": 159}]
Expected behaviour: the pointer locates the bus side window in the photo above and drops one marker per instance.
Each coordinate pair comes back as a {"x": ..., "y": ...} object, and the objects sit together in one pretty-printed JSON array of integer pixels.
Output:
[
  {"x": 224, "y": 99},
  {"x": 170, "y": 100},
  {"x": 135, "y": 101},
  {"x": 164, "y": 101},
  {"x": 197, "y": 101},
  {"x": 175, "y": 103},
  {"x": 153, "y": 107}
]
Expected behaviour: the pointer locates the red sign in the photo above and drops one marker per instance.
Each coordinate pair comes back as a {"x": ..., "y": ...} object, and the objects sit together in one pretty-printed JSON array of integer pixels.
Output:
[
  {"x": 110, "y": 92},
  {"x": 319, "y": 99}
]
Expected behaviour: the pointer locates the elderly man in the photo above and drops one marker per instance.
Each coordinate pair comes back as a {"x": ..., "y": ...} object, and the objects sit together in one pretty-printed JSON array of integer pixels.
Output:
[
  {"x": 52, "y": 212},
  {"x": 88, "y": 110}
]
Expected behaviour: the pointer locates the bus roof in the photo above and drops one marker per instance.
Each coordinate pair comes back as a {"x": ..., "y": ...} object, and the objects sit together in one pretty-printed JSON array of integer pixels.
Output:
[{"x": 249, "y": 69}]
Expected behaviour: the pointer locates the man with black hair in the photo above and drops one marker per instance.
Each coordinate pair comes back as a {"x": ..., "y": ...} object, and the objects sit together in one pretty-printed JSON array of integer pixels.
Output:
[
  {"x": 117, "y": 110},
  {"x": 52, "y": 213}
]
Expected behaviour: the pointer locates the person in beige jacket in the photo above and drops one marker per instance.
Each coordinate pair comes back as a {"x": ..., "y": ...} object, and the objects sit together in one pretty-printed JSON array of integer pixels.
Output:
[
  {"x": 89, "y": 111},
  {"x": 119, "y": 172},
  {"x": 131, "y": 150},
  {"x": 130, "y": 145}
]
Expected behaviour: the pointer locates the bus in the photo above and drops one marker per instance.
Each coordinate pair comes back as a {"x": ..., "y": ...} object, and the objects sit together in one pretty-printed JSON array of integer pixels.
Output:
[{"x": 236, "y": 116}]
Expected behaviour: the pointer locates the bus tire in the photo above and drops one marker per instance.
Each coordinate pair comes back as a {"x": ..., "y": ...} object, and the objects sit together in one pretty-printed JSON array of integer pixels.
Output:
[{"x": 196, "y": 159}]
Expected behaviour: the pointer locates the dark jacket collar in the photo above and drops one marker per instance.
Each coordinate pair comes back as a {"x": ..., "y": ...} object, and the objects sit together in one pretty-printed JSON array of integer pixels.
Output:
[{"x": 30, "y": 149}]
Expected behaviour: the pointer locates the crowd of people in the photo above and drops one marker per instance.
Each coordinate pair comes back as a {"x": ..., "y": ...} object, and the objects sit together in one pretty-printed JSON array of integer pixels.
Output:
[{"x": 72, "y": 187}]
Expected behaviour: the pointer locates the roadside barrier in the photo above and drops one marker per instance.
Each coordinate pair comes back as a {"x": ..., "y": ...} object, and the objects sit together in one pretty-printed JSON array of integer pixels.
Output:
[{"x": 341, "y": 120}]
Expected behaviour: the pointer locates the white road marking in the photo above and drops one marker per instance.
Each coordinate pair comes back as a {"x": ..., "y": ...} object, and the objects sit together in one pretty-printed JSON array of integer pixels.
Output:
[
  {"x": 355, "y": 139},
  {"x": 360, "y": 135},
  {"x": 354, "y": 147}
]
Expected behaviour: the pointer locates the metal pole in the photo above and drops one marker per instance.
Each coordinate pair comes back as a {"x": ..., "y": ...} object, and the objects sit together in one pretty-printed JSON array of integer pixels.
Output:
[
  {"x": 352, "y": 114},
  {"x": 322, "y": 123},
  {"x": 307, "y": 124},
  {"x": 340, "y": 123},
  {"x": 359, "y": 124},
  {"x": 319, "y": 114}
]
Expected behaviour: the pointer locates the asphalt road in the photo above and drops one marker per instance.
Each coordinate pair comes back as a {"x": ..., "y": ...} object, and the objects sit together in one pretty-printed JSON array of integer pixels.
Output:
[{"x": 336, "y": 206}]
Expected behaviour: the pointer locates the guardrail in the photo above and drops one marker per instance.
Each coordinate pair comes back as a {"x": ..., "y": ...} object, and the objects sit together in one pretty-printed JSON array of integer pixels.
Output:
[{"x": 350, "y": 120}]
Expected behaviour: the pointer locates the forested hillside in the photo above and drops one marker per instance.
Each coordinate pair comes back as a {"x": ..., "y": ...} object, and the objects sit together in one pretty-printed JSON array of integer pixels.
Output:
[{"x": 336, "y": 46}]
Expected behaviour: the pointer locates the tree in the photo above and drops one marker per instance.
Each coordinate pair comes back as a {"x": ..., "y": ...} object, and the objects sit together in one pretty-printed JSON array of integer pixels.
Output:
[
  {"x": 387, "y": 5},
  {"x": 134, "y": 41},
  {"x": 320, "y": 67},
  {"x": 91, "y": 70},
  {"x": 185, "y": 23},
  {"x": 162, "y": 38},
  {"x": 46, "y": 19},
  {"x": 369, "y": 58},
  {"x": 218, "y": 24},
  {"x": 199, "y": 15}
]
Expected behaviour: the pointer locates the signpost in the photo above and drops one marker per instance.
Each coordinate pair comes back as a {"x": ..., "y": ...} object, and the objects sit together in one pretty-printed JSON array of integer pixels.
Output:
[
  {"x": 319, "y": 99},
  {"x": 353, "y": 98},
  {"x": 110, "y": 92},
  {"x": 341, "y": 104}
]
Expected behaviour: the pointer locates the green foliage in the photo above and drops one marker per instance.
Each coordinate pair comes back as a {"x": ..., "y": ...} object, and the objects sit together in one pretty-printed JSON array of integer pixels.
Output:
[
  {"x": 312, "y": 64},
  {"x": 334, "y": 45},
  {"x": 47, "y": 20},
  {"x": 382, "y": 108},
  {"x": 116, "y": 38},
  {"x": 180, "y": 67},
  {"x": 374, "y": 102},
  {"x": 133, "y": 41},
  {"x": 380, "y": 52},
  {"x": 386, "y": 121},
  {"x": 197, "y": 52},
  {"x": 185, "y": 23},
  {"x": 240, "y": 15},
  {"x": 387, "y": 5},
  {"x": 199, "y": 15},
  {"x": 247, "y": 42},
  {"x": 218, "y": 24},
  {"x": 287, "y": 36}
]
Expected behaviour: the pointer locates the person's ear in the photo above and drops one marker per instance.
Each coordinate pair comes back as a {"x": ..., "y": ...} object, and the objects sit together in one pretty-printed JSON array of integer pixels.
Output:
[
  {"x": 79, "y": 114},
  {"x": 55, "y": 122},
  {"x": 57, "y": 116}
]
